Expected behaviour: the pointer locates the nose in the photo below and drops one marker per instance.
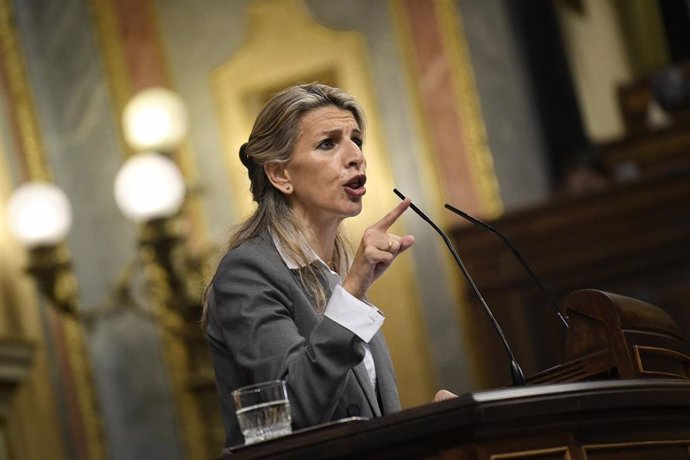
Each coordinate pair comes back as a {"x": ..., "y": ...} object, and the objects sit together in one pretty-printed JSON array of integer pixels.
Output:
[{"x": 355, "y": 157}]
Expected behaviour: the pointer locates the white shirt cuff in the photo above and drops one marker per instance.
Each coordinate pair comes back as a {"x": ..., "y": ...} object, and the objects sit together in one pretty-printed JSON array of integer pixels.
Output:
[{"x": 363, "y": 319}]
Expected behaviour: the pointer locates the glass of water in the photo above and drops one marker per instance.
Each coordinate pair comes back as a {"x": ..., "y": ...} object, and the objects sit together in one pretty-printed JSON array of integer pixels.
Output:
[{"x": 263, "y": 411}]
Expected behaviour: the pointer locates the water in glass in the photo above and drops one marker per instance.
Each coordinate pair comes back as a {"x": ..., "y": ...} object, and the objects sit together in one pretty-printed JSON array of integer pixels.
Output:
[
  {"x": 265, "y": 420},
  {"x": 263, "y": 410}
]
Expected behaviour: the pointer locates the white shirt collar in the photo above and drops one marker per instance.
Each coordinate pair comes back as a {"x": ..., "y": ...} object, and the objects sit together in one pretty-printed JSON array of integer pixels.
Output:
[{"x": 290, "y": 262}]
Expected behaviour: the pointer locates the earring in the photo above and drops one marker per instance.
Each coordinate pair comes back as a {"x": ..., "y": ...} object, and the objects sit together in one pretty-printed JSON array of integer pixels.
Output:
[{"x": 288, "y": 187}]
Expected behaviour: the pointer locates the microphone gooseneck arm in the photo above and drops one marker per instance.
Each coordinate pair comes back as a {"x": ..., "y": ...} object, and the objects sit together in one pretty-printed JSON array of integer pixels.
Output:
[
  {"x": 517, "y": 254},
  {"x": 516, "y": 373}
]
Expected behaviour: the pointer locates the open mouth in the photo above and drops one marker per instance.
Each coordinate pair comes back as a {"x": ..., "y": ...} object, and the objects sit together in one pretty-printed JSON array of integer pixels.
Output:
[{"x": 355, "y": 186}]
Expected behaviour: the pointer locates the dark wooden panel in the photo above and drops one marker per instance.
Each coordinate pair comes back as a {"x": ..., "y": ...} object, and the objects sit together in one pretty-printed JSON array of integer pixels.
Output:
[
  {"x": 612, "y": 419},
  {"x": 632, "y": 240},
  {"x": 666, "y": 450}
]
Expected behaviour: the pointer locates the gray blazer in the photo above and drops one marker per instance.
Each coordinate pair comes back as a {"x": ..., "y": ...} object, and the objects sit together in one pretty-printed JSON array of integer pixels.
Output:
[{"x": 262, "y": 326}]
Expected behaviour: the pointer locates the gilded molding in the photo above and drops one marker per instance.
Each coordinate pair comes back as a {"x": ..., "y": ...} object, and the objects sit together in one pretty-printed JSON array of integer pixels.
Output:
[
  {"x": 468, "y": 104},
  {"x": 681, "y": 358},
  {"x": 613, "y": 446},
  {"x": 430, "y": 169},
  {"x": 184, "y": 155},
  {"x": 77, "y": 353},
  {"x": 534, "y": 453},
  {"x": 24, "y": 112},
  {"x": 114, "y": 61},
  {"x": 22, "y": 100}
]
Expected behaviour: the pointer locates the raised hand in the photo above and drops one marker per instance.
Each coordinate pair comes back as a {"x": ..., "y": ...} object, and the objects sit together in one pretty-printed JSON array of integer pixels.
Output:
[{"x": 377, "y": 251}]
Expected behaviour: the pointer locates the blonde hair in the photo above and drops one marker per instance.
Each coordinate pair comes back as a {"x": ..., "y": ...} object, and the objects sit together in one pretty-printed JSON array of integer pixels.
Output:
[{"x": 272, "y": 140}]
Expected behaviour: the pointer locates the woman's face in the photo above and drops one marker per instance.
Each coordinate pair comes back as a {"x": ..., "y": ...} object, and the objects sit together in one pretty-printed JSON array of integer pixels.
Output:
[{"x": 326, "y": 170}]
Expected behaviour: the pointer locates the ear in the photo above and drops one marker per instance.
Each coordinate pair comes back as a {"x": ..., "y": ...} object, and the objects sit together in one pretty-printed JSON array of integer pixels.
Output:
[{"x": 278, "y": 175}]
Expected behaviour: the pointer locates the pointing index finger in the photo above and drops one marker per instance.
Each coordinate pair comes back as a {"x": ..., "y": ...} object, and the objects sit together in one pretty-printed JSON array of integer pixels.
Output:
[{"x": 390, "y": 218}]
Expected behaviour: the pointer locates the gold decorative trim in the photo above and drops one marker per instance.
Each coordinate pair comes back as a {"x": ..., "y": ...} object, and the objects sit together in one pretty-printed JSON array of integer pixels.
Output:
[
  {"x": 618, "y": 445},
  {"x": 22, "y": 97},
  {"x": 469, "y": 107},
  {"x": 38, "y": 169},
  {"x": 660, "y": 351},
  {"x": 184, "y": 156},
  {"x": 429, "y": 168},
  {"x": 428, "y": 163},
  {"x": 115, "y": 64},
  {"x": 532, "y": 453},
  {"x": 285, "y": 45},
  {"x": 77, "y": 352}
]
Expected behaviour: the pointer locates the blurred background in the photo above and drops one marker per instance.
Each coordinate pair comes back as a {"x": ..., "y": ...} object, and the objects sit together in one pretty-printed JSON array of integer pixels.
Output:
[{"x": 563, "y": 123}]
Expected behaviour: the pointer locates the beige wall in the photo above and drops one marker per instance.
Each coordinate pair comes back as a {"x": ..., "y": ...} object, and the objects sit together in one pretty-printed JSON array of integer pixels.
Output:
[{"x": 597, "y": 58}]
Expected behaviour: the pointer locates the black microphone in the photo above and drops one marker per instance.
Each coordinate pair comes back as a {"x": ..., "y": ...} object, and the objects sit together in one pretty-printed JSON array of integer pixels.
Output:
[
  {"x": 515, "y": 370},
  {"x": 517, "y": 254}
]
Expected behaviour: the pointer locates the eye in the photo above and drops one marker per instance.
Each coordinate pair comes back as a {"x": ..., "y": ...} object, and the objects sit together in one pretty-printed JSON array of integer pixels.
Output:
[
  {"x": 358, "y": 141},
  {"x": 326, "y": 144}
]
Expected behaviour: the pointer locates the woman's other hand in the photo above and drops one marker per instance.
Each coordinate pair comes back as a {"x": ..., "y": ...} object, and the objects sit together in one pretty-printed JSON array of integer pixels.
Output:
[
  {"x": 443, "y": 395},
  {"x": 377, "y": 251}
]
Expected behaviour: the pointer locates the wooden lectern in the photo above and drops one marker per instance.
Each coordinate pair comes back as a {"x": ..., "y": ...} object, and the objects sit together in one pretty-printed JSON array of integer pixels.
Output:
[
  {"x": 629, "y": 416},
  {"x": 627, "y": 419},
  {"x": 612, "y": 336}
]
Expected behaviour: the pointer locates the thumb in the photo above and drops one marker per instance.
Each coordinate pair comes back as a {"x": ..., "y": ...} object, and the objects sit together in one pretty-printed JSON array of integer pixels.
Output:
[
  {"x": 406, "y": 242},
  {"x": 444, "y": 395}
]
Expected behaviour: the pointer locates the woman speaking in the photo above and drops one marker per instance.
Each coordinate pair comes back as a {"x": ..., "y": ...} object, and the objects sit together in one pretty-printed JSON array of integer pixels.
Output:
[{"x": 288, "y": 300}]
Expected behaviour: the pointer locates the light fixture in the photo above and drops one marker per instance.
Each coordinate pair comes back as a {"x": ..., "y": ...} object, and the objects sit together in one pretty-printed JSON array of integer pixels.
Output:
[
  {"x": 149, "y": 186},
  {"x": 40, "y": 217},
  {"x": 155, "y": 119},
  {"x": 39, "y": 214},
  {"x": 150, "y": 191}
]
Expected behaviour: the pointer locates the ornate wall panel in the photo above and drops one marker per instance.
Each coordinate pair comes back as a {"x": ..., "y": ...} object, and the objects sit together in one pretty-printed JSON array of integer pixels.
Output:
[
  {"x": 80, "y": 440},
  {"x": 450, "y": 105}
]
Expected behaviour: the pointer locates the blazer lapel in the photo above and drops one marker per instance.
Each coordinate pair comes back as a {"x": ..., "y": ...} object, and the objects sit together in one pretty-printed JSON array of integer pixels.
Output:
[
  {"x": 385, "y": 375},
  {"x": 363, "y": 378}
]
